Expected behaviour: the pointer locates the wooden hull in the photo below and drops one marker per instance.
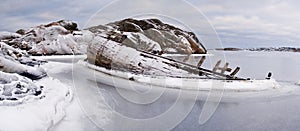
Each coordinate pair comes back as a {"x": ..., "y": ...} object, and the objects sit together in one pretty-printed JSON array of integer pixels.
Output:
[{"x": 122, "y": 79}]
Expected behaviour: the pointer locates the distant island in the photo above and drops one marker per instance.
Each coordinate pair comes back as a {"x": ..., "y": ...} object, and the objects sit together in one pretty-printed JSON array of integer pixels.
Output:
[{"x": 280, "y": 49}]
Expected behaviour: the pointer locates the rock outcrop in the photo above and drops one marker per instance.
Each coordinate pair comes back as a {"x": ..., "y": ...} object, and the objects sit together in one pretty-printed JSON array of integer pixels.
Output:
[
  {"x": 56, "y": 38},
  {"x": 150, "y": 35},
  {"x": 13, "y": 60}
]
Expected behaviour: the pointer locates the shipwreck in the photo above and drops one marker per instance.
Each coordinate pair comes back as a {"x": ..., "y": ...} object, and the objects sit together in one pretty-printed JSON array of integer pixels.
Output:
[{"x": 138, "y": 47}]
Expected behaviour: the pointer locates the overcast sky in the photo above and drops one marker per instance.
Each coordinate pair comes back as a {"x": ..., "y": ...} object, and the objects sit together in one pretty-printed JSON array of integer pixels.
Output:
[{"x": 238, "y": 23}]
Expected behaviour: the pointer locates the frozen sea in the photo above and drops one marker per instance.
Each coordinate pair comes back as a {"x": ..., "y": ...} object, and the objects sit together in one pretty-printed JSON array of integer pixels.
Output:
[{"x": 98, "y": 106}]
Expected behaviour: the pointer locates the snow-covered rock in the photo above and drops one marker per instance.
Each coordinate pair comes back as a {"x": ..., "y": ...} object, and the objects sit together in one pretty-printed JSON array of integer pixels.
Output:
[
  {"x": 57, "y": 38},
  {"x": 13, "y": 60},
  {"x": 150, "y": 35},
  {"x": 64, "y": 38},
  {"x": 15, "y": 89}
]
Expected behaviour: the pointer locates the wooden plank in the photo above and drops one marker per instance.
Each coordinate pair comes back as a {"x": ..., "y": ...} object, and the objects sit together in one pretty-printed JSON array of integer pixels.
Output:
[
  {"x": 216, "y": 66},
  {"x": 201, "y": 61},
  {"x": 203, "y": 70},
  {"x": 225, "y": 68},
  {"x": 236, "y": 70}
]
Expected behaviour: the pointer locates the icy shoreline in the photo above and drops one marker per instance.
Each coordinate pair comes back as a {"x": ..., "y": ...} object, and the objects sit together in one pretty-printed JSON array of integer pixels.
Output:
[{"x": 39, "y": 114}]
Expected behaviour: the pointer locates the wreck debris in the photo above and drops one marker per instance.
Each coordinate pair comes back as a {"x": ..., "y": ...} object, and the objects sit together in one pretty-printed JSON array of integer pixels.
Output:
[
  {"x": 235, "y": 71},
  {"x": 225, "y": 68},
  {"x": 202, "y": 71},
  {"x": 112, "y": 55},
  {"x": 269, "y": 76},
  {"x": 138, "y": 46},
  {"x": 217, "y": 66},
  {"x": 201, "y": 61}
]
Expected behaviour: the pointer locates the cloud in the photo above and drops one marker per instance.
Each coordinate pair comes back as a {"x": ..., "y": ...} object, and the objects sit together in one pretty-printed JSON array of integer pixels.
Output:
[
  {"x": 252, "y": 25},
  {"x": 268, "y": 21},
  {"x": 18, "y": 14}
]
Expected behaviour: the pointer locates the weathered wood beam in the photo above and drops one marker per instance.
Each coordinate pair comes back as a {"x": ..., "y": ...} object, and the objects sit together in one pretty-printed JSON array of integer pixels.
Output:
[
  {"x": 216, "y": 66},
  {"x": 201, "y": 61},
  {"x": 236, "y": 70},
  {"x": 202, "y": 70}
]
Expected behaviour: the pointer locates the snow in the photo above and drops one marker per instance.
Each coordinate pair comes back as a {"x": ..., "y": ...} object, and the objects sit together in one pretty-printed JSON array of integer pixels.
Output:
[
  {"x": 53, "y": 39},
  {"x": 83, "y": 40},
  {"x": 16, "y": 61},
  {"x": 185, "y": 42},
  {"x": 57, "y": 41},
  {"x": 15, "y": 89},
  {"x": 31, "y": 105},
  {"x": 142, "y": 42},
  {"x": 76, "y": 117},
  {"x": 14, "y": 67},
  {"x": 5, "y": 35},
  {"x": 11, "y": 49},
  {"x": 38, "y": 114},
  {"x": 64, "y": 44}
]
